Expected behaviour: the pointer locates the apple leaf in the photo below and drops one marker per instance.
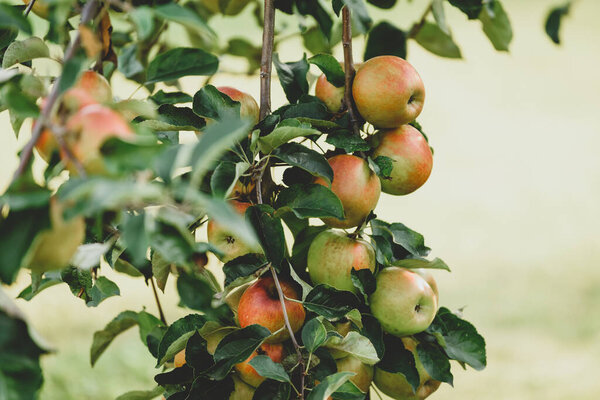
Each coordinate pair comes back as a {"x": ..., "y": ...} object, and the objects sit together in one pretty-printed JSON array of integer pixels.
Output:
[
  {"x": 242, "y": 267},
  {"x": 399, "y": 360},
  {"x": 364, "y": 281},
  {"x": 292, "y": 76},
  {"x": 283, "y": 134},
  {"x": 330, "y": 67},
  {"x": 12, "y": 17},
  {"x": 196, "y": 292},
  {"x": 179, "y": 62},
  {"x": 554, "y": 20},
  {"x": 171, "y": 343},
  {"x": 302, "y": 242},
  {"x": 435, "y": 362},
  {"x": 310, "y": 200},
  {"x": 329, "y": 385},
  {"x": 382, "y": 166},
  {"x": 345, "y": 140},
  {"x": 269, "y": 369},
  {"x": 348, "y": 391},
  {"x": 49, "y": 279},
  {"x": 301, "y": 156},
  {"x": 330, "y": 302},
  {"x": 355, "y": 344},
  {"x": 196, "y": 353},
  {"x": 410, "y": 241},
  {"x": 184, "y": 16},
  {"x": 269, "y": 231},
  {"x": 412, "y": 263},
  {"x": 472, "y": 8},
  {"x": 314, "y": 334},
  {"x": 437, "y": 9},
  {"x": 178, "y": 376},
  {"x": 225, "y": 176},
  {"x": 103, "y": 338},
  {"x": 496, "y": 26},
  {"x": 143, "y": 19},
  {"x": 373, "y": 331},
  {"x": 209, "y": 102},
  {"x": 385, "y": 39},
  {"x": 142, "y": 394},
  {"x": 103, "y": 288},
  {"x": 272, "y": 390},
  {"x": 161, "y": 97},
  {"x": 135, "y": 238},
  {"x": 25, "y": 50},
  {"x": 431, "y": 37},
  {"x": 237, "y": 347}
]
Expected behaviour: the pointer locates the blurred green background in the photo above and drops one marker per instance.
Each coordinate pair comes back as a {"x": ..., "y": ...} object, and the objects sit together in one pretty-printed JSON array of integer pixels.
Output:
[{"x": 512, "y": 206}]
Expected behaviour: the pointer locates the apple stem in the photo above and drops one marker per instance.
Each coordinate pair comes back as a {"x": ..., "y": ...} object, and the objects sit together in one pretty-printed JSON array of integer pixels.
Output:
[
  {"x": 29, "y": 7},
  {"x": 266, "y": 59},
  {"x": 290, "y": 330},
  {"x": 349, "y": 70},
  {"x": 87, "y": 14},
  {"x": 160, "y": 310}
]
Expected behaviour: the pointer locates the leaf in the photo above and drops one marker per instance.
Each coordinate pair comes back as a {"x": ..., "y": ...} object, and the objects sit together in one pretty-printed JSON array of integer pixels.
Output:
[
  {"x": 103, "y": 288},
  {"x": 496, "y": 26},
  {"x": 79, "y": 280},
  {"x": 384, "y": 4},
  {"x": 431, "y": 37},
  {"x": 360, "y": 15},
  {"x": 554, "y": 20},
  {"x": 314, "y": 335},
  {"x": 283, "y": 134},
  {"x": 242, "y": 267},
  {"x": 348, "y": 391},
  {"x": 143, "y": 19},
  {"x": 160, "y": 270},
  {"x": 225, "y": 215},
  {"x": 330, "y": 302},
  {"x": 330, "y": 67},
  {"x": 302, "y": 243},
  {"x": 195, "y": 293},
  {"x": 175, "y": 337},
  {"x": 225, "y": 177},
  {"x": 269, "y": 369},
  {"x": 24, "y": 50},
  {"x": 437, "y": 9},
  {"x": 272, "y": 390},
  {"x": 399, "y": 360},
  {"x": 211, "y": 103},
  {"x": 269, "y": 231},
  {"x": 316, "y": 9},
  {"x": 162, "y": 97},
  {"x": 135, "y": 237},
  {"x": 356, "y": 345},
  {"x": 348, "y": 142},
  {"x": 329, "y": 385},
  {"x": 129, "y": 61},
  {"x": 240, "y": 344},
  {"x": 142, "y": 394},
  {"x": 412, "y": 263},
  {"x": 411, "y": 241},
  {"x": 12, "y": 17},
  {"x": 89, "y": 255},
  {"x": 179, "y": 62},
  {"x": 382, "y": 166},
  {"x": 292, "y": 76},
  {"x": 472, "y": 8},
  {"x": 435, "y": 362},
  {"x": 186, "y": 17},
  {"x": 364, "y": 281},
  {"x": 102, "y": 339},
  {"x": 372, "y": 330},
  {"x": 301, "y": 156},
  {"x": 385, "y": 40},
  {"x": 310, "y": 200},
  {"x": 29, "y": 292}
]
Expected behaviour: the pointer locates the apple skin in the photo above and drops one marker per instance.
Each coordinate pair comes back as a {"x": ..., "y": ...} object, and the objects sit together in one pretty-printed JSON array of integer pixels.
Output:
[
  {"x": 247, "y": 371},
  {"x": 179, "y": 359},
  {"x": 357, "y": 187},
  {"x": 428, "y": 276},
  {"x": 388, "y": 92},
  {"x": 397, "y": 387},
  {"x": 260, "y": 304},
  {"x": 411, "y": 156},
  {"x": 241, "y": 390},
  {"x": 403, "y": 303},
  {"x": 330, "y": 95},
  {"x": 249, "y": 107},
  {"x": 364, "y": 372},
  {"x": 227, "y": 241},
  {"x": 332, "y": 256}
]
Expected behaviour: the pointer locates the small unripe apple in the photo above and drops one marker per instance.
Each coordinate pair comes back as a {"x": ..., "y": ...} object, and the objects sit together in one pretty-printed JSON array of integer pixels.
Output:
[
  {"x": 403, "y": 302},
  {"x": 330, "y": 95},
  {"x": 357, "y": 187},
  {"x": 247, "y": 371},
  {"x": 249, "y": 108},
  {"x": 388, "y": 92},
  {"x": 411, "y": 156},
  {"x": 364, "y": 372},
  {"x": 332, "y": 256},
  {"x": 397, "y": 387},
  {"x": 225, "y": 239},
  {"x": 260, "y": 304},
  {"x": 241, "y": 390}
]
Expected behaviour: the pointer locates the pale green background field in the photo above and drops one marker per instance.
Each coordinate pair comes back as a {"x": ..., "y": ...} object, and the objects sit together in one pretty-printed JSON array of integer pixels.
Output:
[{"x": 512, "y": 206}]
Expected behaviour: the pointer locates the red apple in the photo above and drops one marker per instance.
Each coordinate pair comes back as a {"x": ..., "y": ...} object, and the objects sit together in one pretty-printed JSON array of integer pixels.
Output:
[
  {"x": 249, "y": 107},
  {"x": 247, "y": 371},
  {"x": 411, "y": 156},
  {"x": 225, "y": 239},
  {"x": 330, "y": 95},
  {"x": 260, "y": 304},
  {"x": 357, "y": 187},
  {"x": 388, "y": 92}
]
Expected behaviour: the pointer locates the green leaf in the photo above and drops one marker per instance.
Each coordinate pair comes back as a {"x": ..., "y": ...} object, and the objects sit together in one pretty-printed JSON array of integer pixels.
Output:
[
  {"x": 364, "y": 281},
  {"x": 225, "y": 176},
  {"x": 179, "y": 62},
  {"x": 79, "y": 281},
  {"x": 411, "y": 241},
  {"x": 360, "y": 16},
  {"x": 435, "y": 362},
  {"x": 269, "y": 231},
  {"x": 347, "y": 141},
  {"x": 554, "y": 20},
  {"x": 177, "y": 335},
  {"x": 211, "y": 103},
  {"x": 283, "y": 134},
  {"x": 142, "y": 394},
  {"x": 25, "y": 50},
  {"x": 437, "y": 9},
  {"x": 412, "y": 263},
  {"x": 243, "y": 267},
  {"x": 496, "y": 26},
  {"x": 292, "y": 76},
  {"x": 310, "y": 200},
  {"x": 330, "y": 67},
  {"x": 301, "y": 156},
  {"x": 385, "y": 40},
  {"x": 143, "y": 19},
  {"x": 399, "y": 360},
  {"x": 21, "y": 106},
  {"x": 224, "y": 215},
  {"x": 171, "y": 118},
  {"x": 49, "y": 280},
  {"x": 356, "y": 345},
  {"x": 160, "y": 270},
  {"x": 162, "y": 97},
  {"x": 330, "y": 302},
  {"x": 102, "y": 339},
  {"x": 12, "y": 17},
  {"x": 197, "y": 293},
  {"x": 348, "y": 391},
  {"x": 472, "y": 8},
  {"x": 382, "y": 166},
  {"x": 435, "y": 40},
  {"x": 129, "y": 61},
  {"x": 384, "y": 4},
  {"x": 272, "y": 390},
  {"x": 186, "y": 17},
  {"x": 103, "y": 288},
  {"x": 329, "y": 385},
  {"x": 269, "y": 369},
  {"x": 135, "y": 237},
  {"x": 373, "y": 331},
  {"x": 314, "y": 334}
]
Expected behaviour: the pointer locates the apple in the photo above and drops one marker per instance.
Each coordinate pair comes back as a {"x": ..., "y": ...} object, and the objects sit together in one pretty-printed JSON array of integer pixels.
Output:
[
  {"x": 411, "y": 156},
  {"x": 357, "y": 187},
  {"x": 226, "y": 240},
  {"x": 343, "y": 328},
  {"x": 249, "y": 108},
  {"x": 241, "y": 390},
  {"x": 332, "y": 256},
  {"x": 247, "y": 371},
  {"x": 330, "y": 95},
  {"x": 388, "y": 92},
  {"x": 428, "y": 276},
  {"x": 364, "y": 372},
  {"x": 242, "y": 190},
  {"x": 179, "y": 359},
  {"x": 226, "y": 7},
  {"x": 397, "y": 387},
  {"x": 233, "y": 298},
  {"x": 403, "y": 302},
  {"x": 260, "y": 304}
]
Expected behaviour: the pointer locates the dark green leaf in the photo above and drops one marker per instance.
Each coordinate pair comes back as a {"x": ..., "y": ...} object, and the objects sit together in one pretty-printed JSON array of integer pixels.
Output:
[
  {"x": 129, "y": 61},
  {"x": 179, "y": 62},
  {"x": 330, "y": 302},
  {"x": 302, "y": 243},
  {"x": 272, "y": 390},
  {"x": 382, "y": 166},
  {"x": 373, "y": 331},
  {"x": 225, "y": 176},
  {"x": 364, "y": 281},
  {"x": 360, "y": 15},
  {"x": 242, "y": 267},
  {"x": 412, "y": 263},
  {"x": 385, "y": 4},
  {"x": 554, "y": 20},
  {"x": 301, "y": 156},
  {"x": 142, "y": 394},
  {"x": 496, "y": 26},
  {"x": 399, "y": 360},
  {"x": 269, "y": 231},
  {"x": 284, "y": 134},
  {"x": 12, "y": 17},
  {"x": 103, "y": 288},
  {"x": 135, "y": 237},
  {"x": 434, "y": 39},
  {"x": 292, "y": 76},
  {"x": 329, "y": 385},
  {"x": 471, "y": 8},
  {"x": 122, "y": 157},
  {"x": 310, "y": 200},
  {"x": 348, "y": 391},
  {"x": 162, "y": 97},
  {"x": 102, "y": 339},
  {"x": 79, "y": 281},
  {"x": 171, "y": 343},
  {"x": 314, "y": 8},
  {"x": 269, "y": 369},
  {"x": 385, "y": 40},
  {"x": 330, "y": 67},
  {"x": 314, "y": 335},
  {"x": 435, "y": 362},
  {"x": 348, "y": 142},
  {"x": 211, "y": 103},
  {"x": 184, "y": 16}
]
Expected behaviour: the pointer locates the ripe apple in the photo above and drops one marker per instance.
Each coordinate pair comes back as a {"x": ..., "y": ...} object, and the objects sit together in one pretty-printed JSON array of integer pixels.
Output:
[
  {"x": 247, "y": 371},
  {"x": 388, "y": 92},
  {"x": 226, "y": 240},
  {"x": 403, "y": 302},
  {"x": 330, "y": 95},
  {"x": 397, "y": 387},
  {"x": 364, "y": 372},
  {"x": 230, "y": 7},
  {"x": 411, "y": 156},
  {"x": 249, "y": 107},
  {"x": 357, "y": 187},
  {"x": 332, "y": 256},
  {"x": 241, "y": 390},
  {"x": 260, "y": 304}
]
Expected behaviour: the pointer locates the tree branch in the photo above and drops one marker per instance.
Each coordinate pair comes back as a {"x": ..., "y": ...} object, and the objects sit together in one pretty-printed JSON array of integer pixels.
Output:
[
  {"x": 266, "y": 60},
  {"x": 158, "y": 305},
  {"x": 29, "y": 7},
  {"x": 349, "y": 70}
]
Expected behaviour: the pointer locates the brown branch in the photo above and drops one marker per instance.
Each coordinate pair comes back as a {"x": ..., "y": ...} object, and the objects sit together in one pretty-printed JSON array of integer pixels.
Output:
[
  {"x": 349, "y": 70},
  {"x": 88, "y": 13},
  {"x": 414, "y": 30},
  {"x": 29, "y": 7},
  {"x": 160, "y": 310},
  {"x": 266, "y": 59}
]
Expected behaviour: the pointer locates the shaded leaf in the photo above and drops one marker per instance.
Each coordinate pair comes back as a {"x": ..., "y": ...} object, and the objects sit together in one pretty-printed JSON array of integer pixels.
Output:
[{"x": 179, "y": 62}]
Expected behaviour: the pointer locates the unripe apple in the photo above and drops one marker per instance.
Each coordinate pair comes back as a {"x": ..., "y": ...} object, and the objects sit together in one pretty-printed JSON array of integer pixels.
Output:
[
  {"x": 357, "y": 187},
  {"x": 330, "y": 95},
  {"x": 397, "y": 387},
  {"x": 214, "y": 338},
  {"x": 428, "y": 276},
  {"x": 388, "y": 92},
  {"x": 411, "y": 156},
  {"x": 403, "y": 302},
  {"x": 332, "y": 256},
  {"x": 179, "y": 359},
  {"x": 364, "y": 372},
  {"x": 226, "y": 7},
  {"x": 241, "y": 390},
  {"x": 247, "y": 371},
  {"x": 260, "y": 304},
  {"x": 249, "y": 108},
  {"x": 225, "y": 239}
]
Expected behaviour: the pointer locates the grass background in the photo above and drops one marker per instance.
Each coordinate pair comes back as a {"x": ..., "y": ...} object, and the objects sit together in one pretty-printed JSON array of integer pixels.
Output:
[{"x": 511, "y": 206}]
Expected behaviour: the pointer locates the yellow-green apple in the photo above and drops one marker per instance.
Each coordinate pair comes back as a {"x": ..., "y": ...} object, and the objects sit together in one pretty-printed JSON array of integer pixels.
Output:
[
  {"x": 428, "y": 276},
  {"x": 332, "y": 256},
  {"x": 403, "y": 302},
  {"x": 330, "y": 95},
  {"x": 364, "y": 372},
  {"x": 241, "y": 390},
  {"x": 357, "y": 187},
  {"x": 225, "y": 239},
  {"x": 343, "y": 328},
  {"x": 249, "y": 108},
  {"x": 411, "y": 156},
  {"x": 226, "y": 7},
  {"x": 179, "y": 359},
  {"x": 388, "y": 92},
  {"x": 397, "y": 387},
  {"x": 260, "y": 304},
  {"x": 247, "y": 371}
]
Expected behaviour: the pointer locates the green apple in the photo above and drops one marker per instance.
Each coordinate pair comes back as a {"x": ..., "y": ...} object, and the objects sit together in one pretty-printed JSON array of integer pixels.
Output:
[
  {"x": 241, "y": 390},
  {"x": 233, "y": 298},
  {"x": 226, "y": 240},
  {"x": 428, "y": 276},
  {"x": 332, "y": 256},
  {"x": 397, "y": 387},
  {"x": 403, "y": 303},
  {"x": 364, "y": 372}
]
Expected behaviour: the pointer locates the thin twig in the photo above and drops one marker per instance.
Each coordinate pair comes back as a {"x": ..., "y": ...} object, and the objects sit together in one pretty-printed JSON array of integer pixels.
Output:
[
  {"x": 349, "y": 69},
  {"x": 87, "y": 15},
  {"x": 160, "y": 310},
  {"x": 266, "y": 59},
  {"x": 414, "y": 30},
  {"x": 29, "y": 7}
]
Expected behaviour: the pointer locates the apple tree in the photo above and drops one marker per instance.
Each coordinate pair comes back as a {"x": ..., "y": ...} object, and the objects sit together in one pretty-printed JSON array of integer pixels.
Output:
[{"x": 322, "y": 296}]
